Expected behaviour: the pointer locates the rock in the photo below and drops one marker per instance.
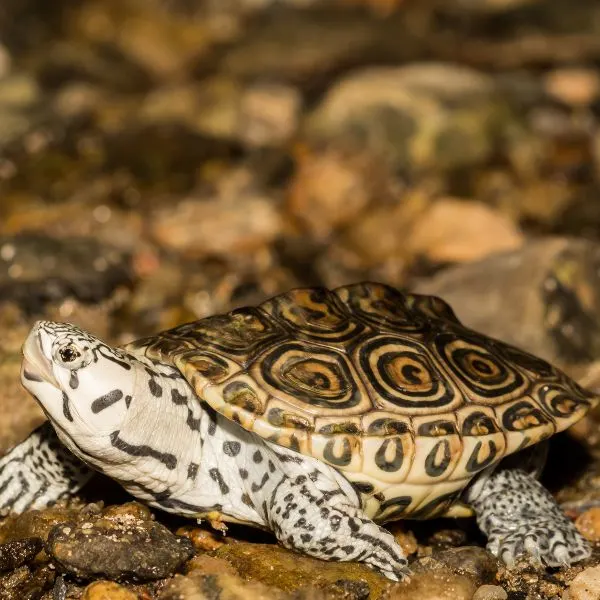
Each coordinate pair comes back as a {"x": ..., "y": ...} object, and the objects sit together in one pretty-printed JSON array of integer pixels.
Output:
[
  {"x": 224, "y": 586},
  {"x": 476, "y": 563},
  {"x": 202, "y": 564},
  {"x": 574, "y": 86},
  {"x": 118, "y": 545},
  {"x": 331, "y": 189},
  {"x": 588, "y": 524},
  {"x": 490, "y": 592},
  {"x": 19, "y": 552},
  {"x": 461, "y": 231},
  {"x": 420, "y": 116},
  {"x": 202, "y": 539},
  {"x": 544, "y": 298},
  {"x": 24, "y": 584},
  {"x": 77, "y": 267},
  {"x": 585, "y": 586},
  {"x": 279, "y": 568},
  {"x": 439, "y": 584},
  {"x": 108, "y": 590},
  {"x": 269, "y": 114},
  {"x": 218, "y": 226},
  {"x": 39, "y": 523}
]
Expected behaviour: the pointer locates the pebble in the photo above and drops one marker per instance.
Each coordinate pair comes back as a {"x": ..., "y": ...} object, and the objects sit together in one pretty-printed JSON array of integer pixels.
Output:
[
  {"x": 588, "y": 524},
  {"x": 118, "y": 546},
  {"x": 476, "y": 563},
  {"x": 19, "y": 552},
  {"x": 585, "y": 586},
  {"x": 108, "y": 590},
  {"x": 574, "y": 86},
  {"x": 439, "y": 584},
  {"x": 453, "y": 230},
  {"x": 490, "y": 592}
]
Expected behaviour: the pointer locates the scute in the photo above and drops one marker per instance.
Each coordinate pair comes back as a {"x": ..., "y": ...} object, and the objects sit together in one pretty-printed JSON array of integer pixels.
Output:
[{"x": 389, "y": 387}]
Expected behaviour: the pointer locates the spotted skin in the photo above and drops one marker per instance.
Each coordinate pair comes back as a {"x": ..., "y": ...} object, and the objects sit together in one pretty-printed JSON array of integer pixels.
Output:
[
  {"x": 39, "y": 472},
  {"x": 520, "y": 518}
]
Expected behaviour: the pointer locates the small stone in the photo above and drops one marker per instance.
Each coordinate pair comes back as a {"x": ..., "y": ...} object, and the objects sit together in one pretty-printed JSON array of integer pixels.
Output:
[
  {"x": 197, "y": 586},
  {"x": 588, "y": 524},
  {"x": 440, "y": 584},
  {"x": 202, "y": 539},
  {"x": 490, "y": 592},
  {"x": 120, "y": 546},
  {"x": 208, "y": 565},
  {"x": 107, "y": 590},
  {"x": 453, "y": 230},
  {"x": 19, "y": 552},
  {"x": 573, "y": 86},
  {"x": 477, "y": 563},
  {"x": 268, "y": 114},
  {"x": 586, "y": 586}
]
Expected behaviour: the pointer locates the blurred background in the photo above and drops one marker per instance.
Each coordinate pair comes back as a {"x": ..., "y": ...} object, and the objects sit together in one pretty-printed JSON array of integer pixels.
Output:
[{"x": 165, "y": 160}]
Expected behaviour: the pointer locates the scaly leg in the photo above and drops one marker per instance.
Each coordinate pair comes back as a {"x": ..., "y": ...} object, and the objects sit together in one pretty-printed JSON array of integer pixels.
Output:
[
  {"x": 519, "y": 517},
  {"x": 38, "y": 472},
  {"x": 311, "y": 514}
]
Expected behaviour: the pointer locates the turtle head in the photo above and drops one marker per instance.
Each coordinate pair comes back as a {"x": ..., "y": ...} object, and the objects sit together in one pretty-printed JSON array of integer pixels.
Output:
[{"x": 83, "y": 385}]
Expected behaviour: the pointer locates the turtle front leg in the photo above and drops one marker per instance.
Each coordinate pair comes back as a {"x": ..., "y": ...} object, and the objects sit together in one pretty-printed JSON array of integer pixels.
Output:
[
  {"x": 38, "y": 472},
  {"x": 311, "y": 514},
  {"x": 520, "y": 517}
]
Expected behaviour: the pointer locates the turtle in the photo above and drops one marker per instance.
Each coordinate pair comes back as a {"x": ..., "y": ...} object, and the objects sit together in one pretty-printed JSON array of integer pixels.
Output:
[{"x": 319, "y": 415}]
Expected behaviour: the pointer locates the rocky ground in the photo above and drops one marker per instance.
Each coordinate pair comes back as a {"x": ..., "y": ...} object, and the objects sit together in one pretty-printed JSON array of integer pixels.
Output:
[{"x": 164, "y": 160}]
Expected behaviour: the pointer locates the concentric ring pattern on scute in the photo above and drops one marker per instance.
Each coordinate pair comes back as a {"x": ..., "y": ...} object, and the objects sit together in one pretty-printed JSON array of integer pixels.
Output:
[
  {"x": 404, "y": 376},
  {"x": 310, "y": 375}
]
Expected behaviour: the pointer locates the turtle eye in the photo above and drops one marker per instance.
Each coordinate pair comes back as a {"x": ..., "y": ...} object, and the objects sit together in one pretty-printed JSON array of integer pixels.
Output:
[{"x": 71, "y": 355}]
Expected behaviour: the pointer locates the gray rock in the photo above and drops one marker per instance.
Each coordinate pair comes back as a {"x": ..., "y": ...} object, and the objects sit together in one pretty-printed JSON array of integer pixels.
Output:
[{"x": 19, "y": 552}]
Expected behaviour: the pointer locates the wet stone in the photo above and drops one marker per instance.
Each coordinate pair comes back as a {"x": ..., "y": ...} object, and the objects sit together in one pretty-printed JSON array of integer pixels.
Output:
[
  {"x": 585, "y": 586},
  {"x": 18, "y": 552},
  {"x": 439, "y": 584},
  {"x": 490, "y": 592},
  {"x": 24, "y": 584},
  {"x": 108, "y": 590},
  {"x": 479, "y": 565},
  {"x": 288, "y": 571},
  {"x": 75, "y": 267},
  {"x": 118, "y": 547}
]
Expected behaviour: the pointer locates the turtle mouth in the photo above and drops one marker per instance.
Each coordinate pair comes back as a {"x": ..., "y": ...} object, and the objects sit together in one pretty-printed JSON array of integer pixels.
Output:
[{"x": 35, "y": 368}]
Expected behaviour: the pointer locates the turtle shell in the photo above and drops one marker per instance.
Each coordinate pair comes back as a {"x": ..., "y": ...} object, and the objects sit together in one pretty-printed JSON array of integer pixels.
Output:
[{"x": 388, "y": 387}]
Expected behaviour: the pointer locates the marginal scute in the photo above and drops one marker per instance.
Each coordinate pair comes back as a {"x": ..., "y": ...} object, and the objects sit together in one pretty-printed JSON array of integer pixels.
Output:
[{"x": 432, "y": 307}]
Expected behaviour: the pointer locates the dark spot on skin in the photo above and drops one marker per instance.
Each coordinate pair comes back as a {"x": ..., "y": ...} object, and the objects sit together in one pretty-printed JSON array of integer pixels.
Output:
[
  {"x": 103, "y": 402},
  {"x": 192, "y": 471},
  {"x": 178, "y": 398},
  {"x": 243, "y": 474},
  {"x": 74, "y": 380},
  {"x": 128, "y": 400},
  {"x": 66, "y": 409},
  {"x": 155, "y": 389},
  {"x": 215, "y": 475},
  {"x": 232, "y": 448},
  {"x": 257, "y": 457},
  {"x": 167, "y": 459},
  {"x": 246, "y": 500},
  {"x": 271, "y": 467}
]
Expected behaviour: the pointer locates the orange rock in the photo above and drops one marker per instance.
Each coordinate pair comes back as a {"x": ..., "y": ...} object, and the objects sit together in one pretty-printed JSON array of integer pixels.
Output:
[
  {"x": 453, "y": 230},
  {"x": 201, "y": 538},
  {"x": 108, "y": 590},
  {"x": 588, "y": 524}
]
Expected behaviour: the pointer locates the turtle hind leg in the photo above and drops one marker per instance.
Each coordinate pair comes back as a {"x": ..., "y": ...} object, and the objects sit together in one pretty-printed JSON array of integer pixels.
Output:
[
  {"x": 312, "y": 515},
  {"x": 38, "y": 472},
  {"x": 520, "y": 517}
]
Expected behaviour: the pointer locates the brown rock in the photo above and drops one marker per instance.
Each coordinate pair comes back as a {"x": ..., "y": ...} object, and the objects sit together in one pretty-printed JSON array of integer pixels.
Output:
[
  {"x": 490, "y": 592},
  {"x": 277, "y": 567},
  {"x": 440, "y": 584},
  {"x": 108, "y": 590},
  {"x": 223, "y": 226},
  {"x": 585, "y": 586},
  {"x": 203, "y": 564},
  {"x": 330, "y": 189},
  {"x": 460, "y": 231},
  {"x": 573, "y": 86},
  {"x": 588, "y": 524},
  {"x": 202, "y": 539}
]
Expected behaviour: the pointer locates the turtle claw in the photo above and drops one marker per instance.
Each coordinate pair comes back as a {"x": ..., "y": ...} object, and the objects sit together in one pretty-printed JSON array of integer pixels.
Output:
[{"x": 547, "y": 542}]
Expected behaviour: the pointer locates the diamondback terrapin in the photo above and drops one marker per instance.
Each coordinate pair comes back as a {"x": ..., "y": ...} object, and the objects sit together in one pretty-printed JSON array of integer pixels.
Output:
[{"x": 316, "y": 415}]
